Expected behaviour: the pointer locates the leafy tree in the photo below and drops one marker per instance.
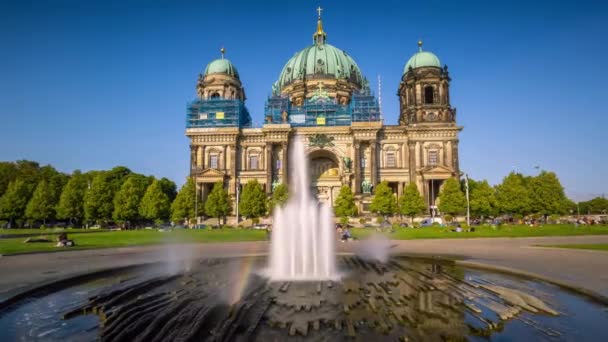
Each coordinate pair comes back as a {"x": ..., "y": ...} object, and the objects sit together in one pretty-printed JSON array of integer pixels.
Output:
[
  {"x": 344, "y": 205},
  {"x": 8, "y": 173},
  {"x": 41, "y": 207},
  {"x": 513, "y": 195},
  {"x": 183, "y": 206},
  {"x": 452, "y": 200},
  {"x": 168, "y": 187},
  {"x": 598, "y": 205},
  {"x": 14, "y": 201},
  {"x": 411, "y": 202},
  {"x": 280, "y": 196},
  {"x": 548, "y": 195},
  {"x": 71, "y": 200},
  {"x": 384, "y": 201},
  {"x": 253, "y": 200},
  {"x": 99, "y": 199},
  {"x": 218, "y": 202},
  {"x": 155, "y": 205},
  {"x": 128, "y": 198},
  {"x": 482, "y": 199}
]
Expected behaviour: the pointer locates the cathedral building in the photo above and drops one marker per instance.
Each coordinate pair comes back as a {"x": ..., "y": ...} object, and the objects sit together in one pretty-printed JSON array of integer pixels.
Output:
[{"x": 322, "y": 96}]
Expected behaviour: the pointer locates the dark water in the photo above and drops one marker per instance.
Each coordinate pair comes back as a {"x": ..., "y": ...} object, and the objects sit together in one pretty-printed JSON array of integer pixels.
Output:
[{"x": 405, "y": 299}]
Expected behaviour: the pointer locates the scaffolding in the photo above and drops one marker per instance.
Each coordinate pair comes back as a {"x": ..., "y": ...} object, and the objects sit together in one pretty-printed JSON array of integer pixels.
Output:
[
  {"x": 323, "y": 111},
  {"x": 217, "y": 112}
]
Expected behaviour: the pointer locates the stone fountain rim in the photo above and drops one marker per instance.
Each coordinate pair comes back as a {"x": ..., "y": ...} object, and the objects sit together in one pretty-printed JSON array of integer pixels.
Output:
[{"x": 17, "y": 295}]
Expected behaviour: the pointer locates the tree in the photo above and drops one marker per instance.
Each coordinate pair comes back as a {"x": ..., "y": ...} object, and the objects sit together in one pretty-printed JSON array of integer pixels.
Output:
[
  {"x": 548, "y": 195},
  {"x": 344, "y": 205},
  {"x": 155, "y": 205},
  {"x": 411, "y": 203},
  {"x": 41, "y": 207},
  {"x": 182, "y": 207},
  {"x": 253, "y": 200},
  {"x": 14, "y": 201},
  {"x": 482, "y": 199},
  {"x": 384, "y": 201},
  {"x": 168, "y": 187},
  {"x": 99, "y": 199},
  {"x": 8, "y": 173},
  {"x": 218, "y": 202},
  {"x": 280, "y": 196},
  {"x": 71, "y": 200},
  {"x": 451, "y": 198},
  {"x": 128, "y": 198},
  {"x": 513, "y": 195},
  {"x": 598, "y": 205}
]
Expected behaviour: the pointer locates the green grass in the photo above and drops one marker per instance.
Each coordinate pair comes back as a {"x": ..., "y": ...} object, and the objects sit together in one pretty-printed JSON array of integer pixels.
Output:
[
  {"x": 133, "y": 238},
  {"x": 595, "y": 247},
  {"x": 487, "y": 231},
  {"x": 44, "y": 231}
]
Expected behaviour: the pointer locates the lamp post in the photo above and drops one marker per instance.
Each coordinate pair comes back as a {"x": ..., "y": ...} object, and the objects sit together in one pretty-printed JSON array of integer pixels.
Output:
[
  {"x": 238, "y": 192},
  {"x": 466, "y": 187}
]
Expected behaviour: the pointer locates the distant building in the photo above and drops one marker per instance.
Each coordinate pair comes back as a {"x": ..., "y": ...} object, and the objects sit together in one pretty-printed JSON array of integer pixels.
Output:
[{"x": 322, "y": 95}]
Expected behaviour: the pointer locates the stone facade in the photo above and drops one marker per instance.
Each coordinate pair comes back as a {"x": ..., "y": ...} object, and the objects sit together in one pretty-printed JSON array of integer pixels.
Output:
[{"x": 422, "y": 148}]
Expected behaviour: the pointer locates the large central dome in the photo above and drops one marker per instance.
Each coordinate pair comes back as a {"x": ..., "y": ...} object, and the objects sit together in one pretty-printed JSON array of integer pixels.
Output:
[{"x": 320, "y": 61}]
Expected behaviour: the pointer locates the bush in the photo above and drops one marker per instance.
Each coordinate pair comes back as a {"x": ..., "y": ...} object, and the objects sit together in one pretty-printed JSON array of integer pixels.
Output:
[
  {"x": 344, "y": 219},
  {"x": 448, "y": 218},
  {"x": 362, "y": 220},
  {"x": 380, "y": 219}
]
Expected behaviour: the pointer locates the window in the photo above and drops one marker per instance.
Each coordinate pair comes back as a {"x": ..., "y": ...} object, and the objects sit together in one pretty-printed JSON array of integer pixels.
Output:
[
  {"x": 363, "y": 163},
  {"x": 278, "y": 164},
  {"x": 213, "y": 161},
  {"x": 390, "y": 160},
  {"x": 433, "y": 158},
  {"x": 253, "y": 162},
  {"x": 215, "y": 95},
  {"x": 428, "y": 95}
]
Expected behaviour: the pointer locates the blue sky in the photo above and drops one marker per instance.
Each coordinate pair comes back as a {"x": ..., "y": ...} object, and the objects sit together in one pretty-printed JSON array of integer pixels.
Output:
[{"x": 94, "y": 84}]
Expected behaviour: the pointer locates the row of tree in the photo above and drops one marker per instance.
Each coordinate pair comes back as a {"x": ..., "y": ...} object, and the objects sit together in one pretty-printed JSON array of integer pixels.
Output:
[
  {"x": 517, "y": 195},
  {"x": 31, "y": 194}
]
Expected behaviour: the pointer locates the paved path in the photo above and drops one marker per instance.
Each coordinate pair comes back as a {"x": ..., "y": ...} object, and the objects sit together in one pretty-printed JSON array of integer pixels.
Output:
[{"x": 580, "y": 269}]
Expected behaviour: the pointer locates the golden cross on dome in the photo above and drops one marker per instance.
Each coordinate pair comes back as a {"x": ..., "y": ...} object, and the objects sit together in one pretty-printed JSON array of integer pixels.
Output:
[
  {"x": 319, "y": 11},
  {"x": 320, "y": 87}
]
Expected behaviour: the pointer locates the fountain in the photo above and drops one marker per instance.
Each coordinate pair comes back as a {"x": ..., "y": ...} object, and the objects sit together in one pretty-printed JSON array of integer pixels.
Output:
[{"x": 303, "y": 233}]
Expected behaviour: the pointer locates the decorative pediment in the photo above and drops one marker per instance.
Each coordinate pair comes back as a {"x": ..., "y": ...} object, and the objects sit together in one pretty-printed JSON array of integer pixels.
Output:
[
  {"x": 212, "y": 173},
  {"x": 437, "y": 169}
]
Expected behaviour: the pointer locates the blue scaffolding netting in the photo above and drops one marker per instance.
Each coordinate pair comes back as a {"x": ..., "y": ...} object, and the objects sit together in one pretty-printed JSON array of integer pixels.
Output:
[
  {"x": 217, "y": 112},
  {"x": 321, "y": 110}
]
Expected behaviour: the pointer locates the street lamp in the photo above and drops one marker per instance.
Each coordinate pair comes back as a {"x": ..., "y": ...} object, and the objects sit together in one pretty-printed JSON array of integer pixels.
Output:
[
  {"x": 466, "y": 187},
  {"x": 238, "y": 192}
]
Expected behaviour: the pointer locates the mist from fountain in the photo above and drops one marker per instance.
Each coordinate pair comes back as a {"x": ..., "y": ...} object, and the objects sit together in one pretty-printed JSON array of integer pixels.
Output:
[{"x": 303, "y": 236}]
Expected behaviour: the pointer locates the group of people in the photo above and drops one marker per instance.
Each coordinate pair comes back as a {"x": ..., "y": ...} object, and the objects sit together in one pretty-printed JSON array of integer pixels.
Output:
[{"x": 344, "y": 234}]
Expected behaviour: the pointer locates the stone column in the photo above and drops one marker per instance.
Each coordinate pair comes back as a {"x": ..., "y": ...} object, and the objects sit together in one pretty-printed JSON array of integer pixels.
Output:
[
  {"x": 412, "y": 160},
  {"x": 357, "y": 167},
  {"x": 284, "y": 168},
  {"x": 268, "y": 161},
  {"x": 224, "y": 159},
  {"x": 455, "y": 156},
  {"x": 233, "y": 171},
  {"x": 372, "y": 162},
  {"x": 399, "y": 189},
  {"x": 199, "y": 156},
  {"x": 192, "y": 158}
]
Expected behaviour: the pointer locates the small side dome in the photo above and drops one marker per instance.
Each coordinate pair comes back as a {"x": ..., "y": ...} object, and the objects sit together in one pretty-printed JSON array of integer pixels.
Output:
[
  {"x": 221, "y": 66},
  {"x": 422, "y": 59}
]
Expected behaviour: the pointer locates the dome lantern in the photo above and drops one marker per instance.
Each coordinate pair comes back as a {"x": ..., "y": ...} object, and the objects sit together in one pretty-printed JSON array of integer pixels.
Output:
[{"x": 422, "y": 59}]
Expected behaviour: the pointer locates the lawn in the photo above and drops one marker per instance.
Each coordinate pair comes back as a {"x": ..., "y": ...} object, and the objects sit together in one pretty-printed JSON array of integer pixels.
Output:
[
  {"x": 133, "y": 238},
  {"x": 44, "y": 231},
  {"x": 595, "y": 247},
  {"x": 487, "y": 231}
]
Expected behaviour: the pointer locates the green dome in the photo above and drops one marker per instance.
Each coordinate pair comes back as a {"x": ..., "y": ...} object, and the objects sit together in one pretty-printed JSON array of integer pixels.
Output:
[
  {"x": 422, "y": 59},
  {"x": 221, "y": 66},
  {"x": 322, "y": 61}
]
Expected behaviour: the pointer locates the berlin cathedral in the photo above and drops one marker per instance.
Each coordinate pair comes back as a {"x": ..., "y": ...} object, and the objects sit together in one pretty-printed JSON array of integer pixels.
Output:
[{"x": 322, "y": 96}]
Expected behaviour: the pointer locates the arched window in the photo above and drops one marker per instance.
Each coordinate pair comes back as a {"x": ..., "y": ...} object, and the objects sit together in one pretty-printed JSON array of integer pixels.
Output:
[
  {"x": 433, "y": 157},
  {"x": 215, "y": 95},
  {"x": 429, "y": 95}
]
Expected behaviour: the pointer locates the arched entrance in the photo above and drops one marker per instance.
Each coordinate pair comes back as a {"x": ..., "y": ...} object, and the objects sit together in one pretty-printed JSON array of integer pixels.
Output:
[{"x": 324, "y": 175}]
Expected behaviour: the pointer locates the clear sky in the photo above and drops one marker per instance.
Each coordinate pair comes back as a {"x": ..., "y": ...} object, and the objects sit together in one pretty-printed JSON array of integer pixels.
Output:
[{"x": 94, "y": 84}]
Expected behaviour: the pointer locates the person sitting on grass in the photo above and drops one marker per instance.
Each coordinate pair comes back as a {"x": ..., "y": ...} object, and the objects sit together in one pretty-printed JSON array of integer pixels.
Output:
[
  {"x": 346, "y": 235},
  {"x": 63, "y": 241}
]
